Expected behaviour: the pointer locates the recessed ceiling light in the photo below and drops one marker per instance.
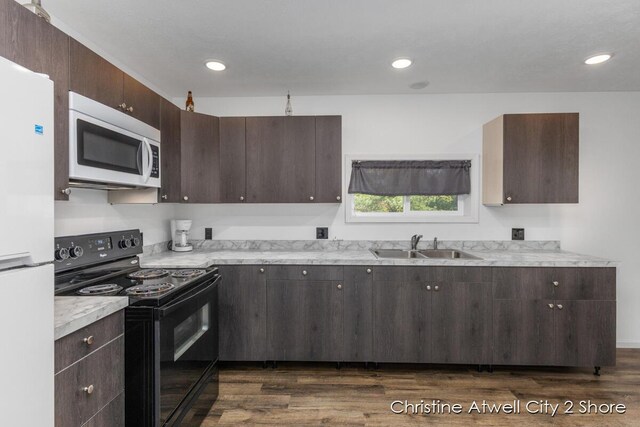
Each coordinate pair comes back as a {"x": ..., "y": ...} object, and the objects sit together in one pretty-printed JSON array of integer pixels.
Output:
[
  {"x": 419, "y": 85},
  {"x": 215, "y": 65},
  {"x": 597, "y": 59},
  {"x": 401, "y": 63}
]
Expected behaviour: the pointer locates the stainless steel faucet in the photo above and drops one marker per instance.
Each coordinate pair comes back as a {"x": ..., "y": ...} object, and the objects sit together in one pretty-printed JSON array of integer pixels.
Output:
[
  {"x": 414, "y": 241},
  {"x": 435, "y": 243}
]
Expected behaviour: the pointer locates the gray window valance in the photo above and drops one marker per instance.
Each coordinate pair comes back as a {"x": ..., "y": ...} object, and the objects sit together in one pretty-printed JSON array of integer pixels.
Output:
[{"x": 411, "y": 177}]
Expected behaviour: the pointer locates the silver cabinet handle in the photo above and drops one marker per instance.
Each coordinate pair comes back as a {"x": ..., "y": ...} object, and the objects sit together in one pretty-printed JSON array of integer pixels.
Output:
[
  {"x": 88, "y": 340},
  {"x": 556, "y": 283},
  {"x": 130, "y": 110},
  {"x": 550, "y": 305},
  {"x": 339, "y": 286},
  {"x": 185, "y": 198},
  {"x": 262, "y": 270},
  {"x": 66, "y": 191},
  {"x": 241, "y": 198},
  {"x": 559, "y": 306},
  {"x": 311, "y": 198},
  {"x": 509, "y": 198},
  {"x": 428, "y": 287},
  {"x": 368, "y": 271},
  {"x": 338, "y": 198},
  {"x": 164, "y": 197},
  {"x": 88, "y": 389},
  {"x": 304, "y": 272},
  {"x": 436, "y": 288},
  {"x": 122, "y": 106}
]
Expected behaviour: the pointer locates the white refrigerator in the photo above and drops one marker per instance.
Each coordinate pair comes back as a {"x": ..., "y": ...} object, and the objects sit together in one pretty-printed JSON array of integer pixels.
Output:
[{"x": 26, "y": 247}]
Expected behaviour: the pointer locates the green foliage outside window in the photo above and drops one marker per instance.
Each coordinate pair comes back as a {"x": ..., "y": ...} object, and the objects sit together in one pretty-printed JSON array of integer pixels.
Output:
[{"x": 365, "y": 203}]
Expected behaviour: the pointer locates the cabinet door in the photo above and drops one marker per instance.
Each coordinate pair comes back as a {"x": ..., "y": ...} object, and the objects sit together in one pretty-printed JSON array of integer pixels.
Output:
[
  {"x": 232, "y": 160},
  {"x": 400, "y": 322},
  {"x": 305, "y": 320},
  {"x": 541, "y": 158},
  {"x": 144, "y": 101},
  {"x": 328, "y": 159},
  {"x": 358, "y": 314},
  {"x": 585, "y": 333},
  {"x": 170, "y": 152},
  {"x": 200, "y": 151},
  {"x": 95, "y": 77},
  {"x": 461, "y": 323},
  {"x": 280, "y": 159},
  {"x": 243, "y": 313},
  {"x": 523, "y": 332},
  {"x": 4, "y": 17}
]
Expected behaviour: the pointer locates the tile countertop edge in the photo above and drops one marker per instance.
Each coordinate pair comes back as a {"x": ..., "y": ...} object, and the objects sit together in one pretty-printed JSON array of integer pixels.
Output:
[{"x": 74, "y": 313}]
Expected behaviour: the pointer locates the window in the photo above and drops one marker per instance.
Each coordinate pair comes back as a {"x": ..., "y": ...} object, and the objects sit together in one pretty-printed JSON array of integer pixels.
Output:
[{"x": 360, "y": 207}]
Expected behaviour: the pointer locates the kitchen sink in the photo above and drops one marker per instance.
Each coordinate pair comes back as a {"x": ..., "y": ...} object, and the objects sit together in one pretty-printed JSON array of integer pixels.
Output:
[
  {"x": 396, "y": 253},
  {"x": 427, "y": 253},
  {"x": 446, "y": 254}
]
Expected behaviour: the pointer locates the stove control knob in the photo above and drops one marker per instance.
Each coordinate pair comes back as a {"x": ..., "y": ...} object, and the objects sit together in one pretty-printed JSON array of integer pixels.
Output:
[
  {"x": 76, "y": 251},
  {"x": 61, "y": 254},
  {"x": 135, "y": 241},
  {"x": 124, "y": 244}
]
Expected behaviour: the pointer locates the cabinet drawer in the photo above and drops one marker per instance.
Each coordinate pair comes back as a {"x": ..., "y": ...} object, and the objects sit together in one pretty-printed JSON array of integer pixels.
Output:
[
  {"x": 111, "y": 415},
  {"x": 554, "y": 282},
  {"x": 401, "y": 274},
  {"x": 304, "y": 272},
  {"x": 104, "y": 370},
  {"x": 73, "y": 347}
]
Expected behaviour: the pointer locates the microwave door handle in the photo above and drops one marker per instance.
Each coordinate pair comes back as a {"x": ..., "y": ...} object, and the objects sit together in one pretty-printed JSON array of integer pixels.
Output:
[{"x": 149, "y": 162}]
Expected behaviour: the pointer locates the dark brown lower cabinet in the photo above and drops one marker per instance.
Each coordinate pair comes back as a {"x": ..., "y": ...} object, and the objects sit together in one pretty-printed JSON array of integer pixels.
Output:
[
  {"x": 401, "y": 327},
  {"x": 461, "y": 323},
  {"x": 358, "y": 314},
  {"x": 523, "y": 332},
  {"x": 304, "y": 320},
  {"x": 243, "y": 313}
]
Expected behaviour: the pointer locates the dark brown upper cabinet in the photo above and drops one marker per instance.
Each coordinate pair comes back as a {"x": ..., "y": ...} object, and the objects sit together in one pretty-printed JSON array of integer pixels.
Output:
[
  {"x": 530, "y": 158},
  {"x": 31, "y": 42},
  {"x": 170, "y": 152},
  {"x": 98, "y": 79},
  {"x": 328, "y": 159},
  {"x": 280, "y": 159},
  {"x": 232, "y": 160},
  {"x": 199, "y": 158}
]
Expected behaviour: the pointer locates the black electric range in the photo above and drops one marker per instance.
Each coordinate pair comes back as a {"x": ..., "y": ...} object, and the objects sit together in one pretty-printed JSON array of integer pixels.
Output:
[{"x": 171, "y": 324}]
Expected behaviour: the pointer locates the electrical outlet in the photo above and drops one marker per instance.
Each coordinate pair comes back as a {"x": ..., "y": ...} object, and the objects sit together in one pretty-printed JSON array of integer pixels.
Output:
[
  {"x": 208, "y": 233},
  {"x": 517, "y": 234},
  {"x": 322, "y": 232}
]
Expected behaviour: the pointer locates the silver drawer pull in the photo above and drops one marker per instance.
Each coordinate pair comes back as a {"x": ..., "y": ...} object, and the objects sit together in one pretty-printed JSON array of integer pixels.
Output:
[
  {"x": 436, "y": 288},
  {"x": 339, "y": 286},
  {"x": 89, "y": 389},
  {"x": 88, "y": 340},
  {"x": 559, "y": 306},
  {"x": 368, "y": 271},
  {"x": 428, "y": 287},
  {"x": 556, "y": 283},
  {"x": 550, "y": 305},
  {"x": 262, "y": 270},
  {"x": 304, "y": 272}
]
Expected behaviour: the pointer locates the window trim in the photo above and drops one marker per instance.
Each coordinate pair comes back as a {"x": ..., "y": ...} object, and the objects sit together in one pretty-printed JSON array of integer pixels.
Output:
[{"x": 470, "y": 202}]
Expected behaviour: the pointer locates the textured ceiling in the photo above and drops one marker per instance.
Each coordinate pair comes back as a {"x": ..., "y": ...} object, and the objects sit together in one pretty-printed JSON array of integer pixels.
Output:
[{"x": 326, "y": 47}]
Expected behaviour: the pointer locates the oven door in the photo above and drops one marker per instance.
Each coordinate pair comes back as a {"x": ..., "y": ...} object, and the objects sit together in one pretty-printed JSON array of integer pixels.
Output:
[
  {"x": 188, "y": 330},
  {"x": 103, "y": 153}
]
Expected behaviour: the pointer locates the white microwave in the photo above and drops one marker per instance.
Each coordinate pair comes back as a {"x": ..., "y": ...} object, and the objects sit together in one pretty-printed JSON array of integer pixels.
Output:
[{"x": 110, "y": 149}]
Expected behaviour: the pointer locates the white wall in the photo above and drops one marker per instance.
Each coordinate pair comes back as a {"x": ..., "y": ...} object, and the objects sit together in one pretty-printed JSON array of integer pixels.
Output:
[{"x": 602, "y": 224}]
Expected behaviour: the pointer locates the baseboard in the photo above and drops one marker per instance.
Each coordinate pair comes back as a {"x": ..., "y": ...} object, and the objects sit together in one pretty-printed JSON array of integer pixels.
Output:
[{"x": 628, "y": 344}]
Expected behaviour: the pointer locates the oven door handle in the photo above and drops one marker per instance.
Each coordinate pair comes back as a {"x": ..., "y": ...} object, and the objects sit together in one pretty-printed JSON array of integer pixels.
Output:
[
  {"x": 167, "y": 310},
  {"x": 149, "y": 164}
]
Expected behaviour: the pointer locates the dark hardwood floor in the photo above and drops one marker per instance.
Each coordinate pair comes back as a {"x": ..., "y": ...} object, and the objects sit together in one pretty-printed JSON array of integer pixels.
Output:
[{"x": 309, "y": 395}]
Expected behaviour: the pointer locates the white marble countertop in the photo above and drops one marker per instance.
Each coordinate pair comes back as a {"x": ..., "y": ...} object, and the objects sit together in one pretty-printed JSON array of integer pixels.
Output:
[
  {"x": 73, "y": 313},
  {"x": 202, "y": 258}
]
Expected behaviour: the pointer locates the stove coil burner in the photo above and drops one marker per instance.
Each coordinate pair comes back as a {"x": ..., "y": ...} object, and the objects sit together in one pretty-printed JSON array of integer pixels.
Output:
[
  {"x": 187, "y": 273},
  {"x": 149, "y": 274},
  {"x": 150, "y": 289},
  {"x": 106, "y": 289}
]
